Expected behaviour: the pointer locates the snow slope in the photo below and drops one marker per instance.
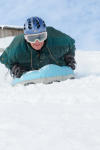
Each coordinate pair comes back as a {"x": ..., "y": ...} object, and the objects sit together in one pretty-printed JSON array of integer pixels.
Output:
[
  {"x": 4, "y": 42},
  {"x": 57, "y": 116}
]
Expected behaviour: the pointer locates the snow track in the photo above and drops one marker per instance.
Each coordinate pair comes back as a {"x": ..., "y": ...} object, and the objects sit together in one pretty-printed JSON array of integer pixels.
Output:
[{"x": 63, "y": 115}]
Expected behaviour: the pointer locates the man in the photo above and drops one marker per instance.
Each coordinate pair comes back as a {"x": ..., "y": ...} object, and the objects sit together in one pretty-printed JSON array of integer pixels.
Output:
[{"x": 37, "y": 47}]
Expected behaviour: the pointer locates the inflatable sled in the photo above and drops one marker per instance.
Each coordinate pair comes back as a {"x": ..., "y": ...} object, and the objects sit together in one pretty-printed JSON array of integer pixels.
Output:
[{"x": 47, "y": 74}]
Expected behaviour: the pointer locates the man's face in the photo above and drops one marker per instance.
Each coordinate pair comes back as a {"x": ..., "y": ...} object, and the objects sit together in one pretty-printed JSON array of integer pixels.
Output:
[{"x": 37, "y": 45}]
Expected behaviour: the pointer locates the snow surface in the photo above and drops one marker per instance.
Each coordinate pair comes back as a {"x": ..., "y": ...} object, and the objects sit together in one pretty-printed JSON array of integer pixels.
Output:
[
  {"x": 11, "y": 26},
  {"x": 58, "y": 116},
  {"x": 4, "y": 42}
]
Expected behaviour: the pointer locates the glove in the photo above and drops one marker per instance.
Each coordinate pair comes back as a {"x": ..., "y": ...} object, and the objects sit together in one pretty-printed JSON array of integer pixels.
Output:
[
  {"x": 17, "y": 71},
  {"x": 70, "y": 61}
]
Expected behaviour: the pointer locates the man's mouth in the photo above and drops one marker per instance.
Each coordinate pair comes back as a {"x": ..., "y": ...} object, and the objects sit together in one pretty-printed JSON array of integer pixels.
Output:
[{"x": 37, "y": 45}]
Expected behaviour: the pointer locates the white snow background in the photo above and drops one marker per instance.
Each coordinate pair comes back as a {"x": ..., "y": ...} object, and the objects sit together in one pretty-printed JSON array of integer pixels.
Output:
[{"x": 58, "y": 116}]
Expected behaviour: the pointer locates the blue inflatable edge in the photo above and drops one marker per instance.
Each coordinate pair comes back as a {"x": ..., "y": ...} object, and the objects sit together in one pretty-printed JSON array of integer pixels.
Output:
[{"x": 45, "y": 72}]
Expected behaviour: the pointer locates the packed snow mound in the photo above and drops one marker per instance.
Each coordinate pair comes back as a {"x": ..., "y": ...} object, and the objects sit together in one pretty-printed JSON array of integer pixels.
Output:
[
  {"x": 11, "y": 26},
  {"x": 85, "y": 87},
  {"x": 86, "y": 84},
  {"x": 63, "y": 115},
  {"x": 5, "y": 42}
]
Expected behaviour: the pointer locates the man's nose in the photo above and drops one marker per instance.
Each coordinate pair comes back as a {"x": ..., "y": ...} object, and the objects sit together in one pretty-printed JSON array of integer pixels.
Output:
[{"x": 37, "y": 41}]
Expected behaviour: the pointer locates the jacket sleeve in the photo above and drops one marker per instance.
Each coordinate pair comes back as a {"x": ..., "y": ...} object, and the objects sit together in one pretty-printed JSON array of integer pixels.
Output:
[
  {"x": 69, "y": 50},
  {"x": 4, "y": 59},
  {"x": 8, "y": 57},
  {"x": 72, "y": 48}
]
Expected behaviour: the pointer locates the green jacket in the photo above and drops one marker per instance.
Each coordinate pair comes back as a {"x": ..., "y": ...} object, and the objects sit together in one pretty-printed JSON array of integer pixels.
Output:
[{"x": 56, "y": 46}]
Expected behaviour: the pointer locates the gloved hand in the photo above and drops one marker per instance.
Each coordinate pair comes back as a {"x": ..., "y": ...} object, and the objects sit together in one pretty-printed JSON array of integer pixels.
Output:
[
  {"x": 17, "y": 71},
  {"x": 70, "y": 61}
]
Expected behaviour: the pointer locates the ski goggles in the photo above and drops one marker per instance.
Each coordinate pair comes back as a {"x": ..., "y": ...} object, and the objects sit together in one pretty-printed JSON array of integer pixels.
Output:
[{"x": 33, "y": 37}]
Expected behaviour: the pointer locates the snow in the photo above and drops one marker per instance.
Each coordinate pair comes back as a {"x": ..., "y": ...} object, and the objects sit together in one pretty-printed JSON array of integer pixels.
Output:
[
  {"x": 64, "y": 115},
  {"x": 4, "y": 42},
  {"x": 11, "y": 26}
]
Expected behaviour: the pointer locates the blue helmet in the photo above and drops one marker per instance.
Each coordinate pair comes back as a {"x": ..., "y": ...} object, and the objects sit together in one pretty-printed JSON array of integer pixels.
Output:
[{"x": 34, "y": 25}]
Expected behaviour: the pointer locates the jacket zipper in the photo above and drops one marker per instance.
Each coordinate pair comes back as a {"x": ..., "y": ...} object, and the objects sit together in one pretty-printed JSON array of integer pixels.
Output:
[
  {"x": 39, "y": 58},
  {"x": 31, "y": 61},
  {"x": 52, "y": 56}
]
